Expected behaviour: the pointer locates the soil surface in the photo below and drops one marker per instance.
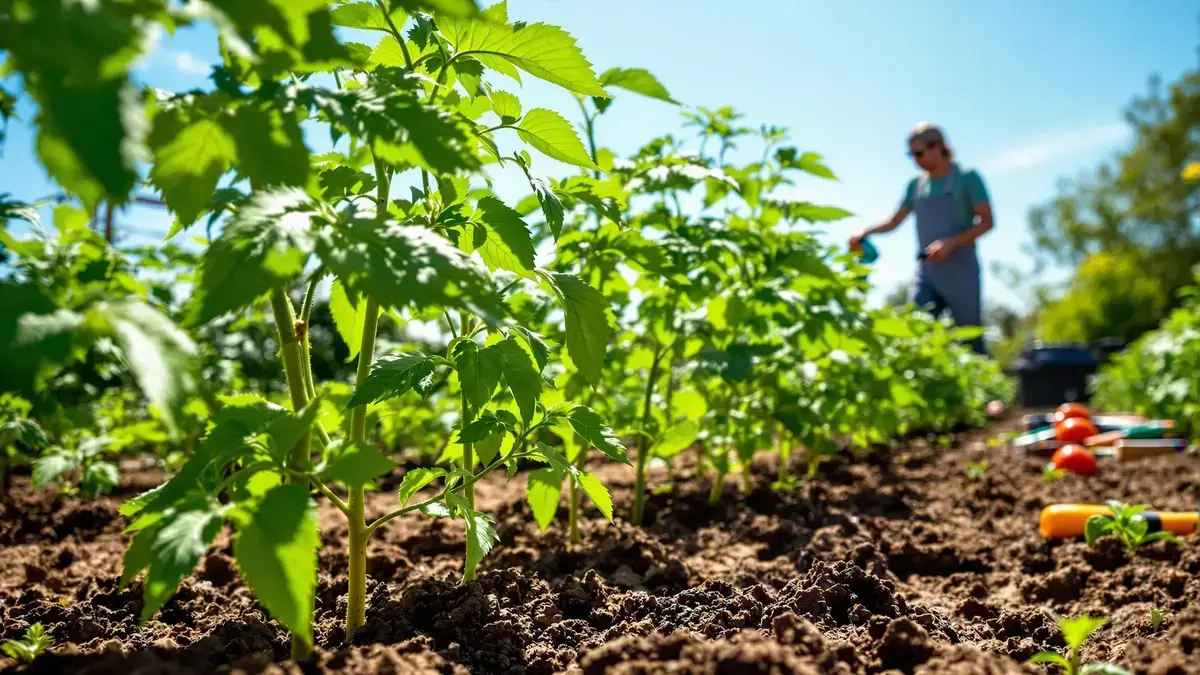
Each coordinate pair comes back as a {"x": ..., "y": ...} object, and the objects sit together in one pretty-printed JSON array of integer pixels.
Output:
[{"x": 896, "y": 564}]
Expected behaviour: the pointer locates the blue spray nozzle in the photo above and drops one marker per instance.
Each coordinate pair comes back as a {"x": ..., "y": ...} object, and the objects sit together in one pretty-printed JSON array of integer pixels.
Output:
[{"x": 869, "y": 253}]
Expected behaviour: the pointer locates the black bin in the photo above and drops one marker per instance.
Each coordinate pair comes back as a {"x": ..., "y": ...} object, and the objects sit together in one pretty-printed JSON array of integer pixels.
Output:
[{"x": 1054, "y": 374}]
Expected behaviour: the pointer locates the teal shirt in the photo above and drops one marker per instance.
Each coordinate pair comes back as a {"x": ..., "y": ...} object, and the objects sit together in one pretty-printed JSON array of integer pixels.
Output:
[{"x": 968, "y": 192}]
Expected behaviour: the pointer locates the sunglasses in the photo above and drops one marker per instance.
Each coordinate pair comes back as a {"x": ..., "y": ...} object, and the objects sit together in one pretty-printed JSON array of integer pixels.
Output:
[{"x": 917, "y": 154}]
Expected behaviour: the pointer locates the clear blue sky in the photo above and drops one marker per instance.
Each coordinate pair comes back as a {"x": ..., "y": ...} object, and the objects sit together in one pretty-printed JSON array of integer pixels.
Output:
[{"x": 1028, "y": 91}]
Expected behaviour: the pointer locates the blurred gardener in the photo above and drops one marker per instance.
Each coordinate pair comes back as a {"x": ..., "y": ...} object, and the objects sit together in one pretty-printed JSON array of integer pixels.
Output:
[{"x": 953, "y": 211}]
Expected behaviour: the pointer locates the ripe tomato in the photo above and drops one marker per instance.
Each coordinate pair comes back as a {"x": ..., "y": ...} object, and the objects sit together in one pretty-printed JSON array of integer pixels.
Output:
[
  {"x": 1074, "y": 458},
  {"x": 1075, "y": 430},
  {"x": 1068, "y": 411}
]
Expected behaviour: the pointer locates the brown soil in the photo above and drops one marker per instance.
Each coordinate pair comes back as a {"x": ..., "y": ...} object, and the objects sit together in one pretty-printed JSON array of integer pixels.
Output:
[{"x": 900, "y": 564}]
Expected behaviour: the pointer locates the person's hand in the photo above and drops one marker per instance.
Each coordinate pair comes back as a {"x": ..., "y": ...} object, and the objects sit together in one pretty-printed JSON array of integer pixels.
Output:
[
  {"x": 939, "y": 251},
  {"x": 856, "y": 241}
]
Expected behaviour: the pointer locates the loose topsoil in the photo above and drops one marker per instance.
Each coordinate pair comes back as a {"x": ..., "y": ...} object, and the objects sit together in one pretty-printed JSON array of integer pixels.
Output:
[{"x": 896, "y": 564}]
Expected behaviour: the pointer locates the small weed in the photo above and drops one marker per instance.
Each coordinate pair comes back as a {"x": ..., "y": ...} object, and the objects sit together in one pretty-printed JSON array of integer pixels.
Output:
[
  {"x": 1075, "y": 632},
  {"x": 977, "y": 470},
  {"x": 1126, "y": 523},
  {"x": 1052, "y": 475},
  {"x": 27, "y": 649}
]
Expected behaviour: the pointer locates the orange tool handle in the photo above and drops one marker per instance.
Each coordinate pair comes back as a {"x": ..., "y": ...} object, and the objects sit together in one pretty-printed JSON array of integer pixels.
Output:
[{"x": 1060, "y": 521}]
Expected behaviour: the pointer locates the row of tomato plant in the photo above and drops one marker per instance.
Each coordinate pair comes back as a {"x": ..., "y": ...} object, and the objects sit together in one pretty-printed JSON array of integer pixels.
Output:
[{"x": 672, "y": 299}]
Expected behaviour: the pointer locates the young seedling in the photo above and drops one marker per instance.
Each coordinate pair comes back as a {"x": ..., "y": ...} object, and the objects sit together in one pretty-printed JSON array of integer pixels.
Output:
[
  {"x": 31, "y": 646},
  {"x": 1156, "y": 619},
  {"x": 1050, "y": 474},
  {"x": 977, "y": 470},
  {"x": 1075, "y": 633},
  {"x": 1127, "y": 524}
]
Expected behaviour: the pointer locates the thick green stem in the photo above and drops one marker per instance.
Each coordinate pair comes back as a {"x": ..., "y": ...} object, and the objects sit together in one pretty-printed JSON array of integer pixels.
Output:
[
  {"x": 356, "y": 599},
  {"x": 643, "y": 445},
  {"x": 785, "y": 456},
  {"x": 293, "y": 367},
  {"x": 718, "y": 486}
]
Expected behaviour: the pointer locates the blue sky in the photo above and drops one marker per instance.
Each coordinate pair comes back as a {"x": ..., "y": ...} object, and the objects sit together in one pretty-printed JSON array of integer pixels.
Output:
[{"x": 1028, "y": 91}]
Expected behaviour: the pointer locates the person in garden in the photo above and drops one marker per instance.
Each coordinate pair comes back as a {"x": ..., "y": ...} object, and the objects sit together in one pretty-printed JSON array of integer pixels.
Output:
[{"x": 953, "y": 211}]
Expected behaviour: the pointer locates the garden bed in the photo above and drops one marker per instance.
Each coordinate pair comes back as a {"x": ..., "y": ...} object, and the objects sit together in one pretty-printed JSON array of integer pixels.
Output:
[{"x": 903, "y": 564}]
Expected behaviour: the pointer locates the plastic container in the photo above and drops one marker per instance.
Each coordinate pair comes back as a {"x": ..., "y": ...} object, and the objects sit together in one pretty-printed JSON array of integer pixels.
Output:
[{"x": 1051, "y": 375}]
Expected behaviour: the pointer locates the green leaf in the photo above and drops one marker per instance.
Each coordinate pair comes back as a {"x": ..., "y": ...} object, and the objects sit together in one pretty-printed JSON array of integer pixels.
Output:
[
  {"x": 286, "y": 431},
  {"x": 252, "y": 410},
  {"x": 557, "y": 460},
  {"x": 813, "y": 213},
  {"x": 481, "y": 537},
  {"x": 99, "y": 478},
  {"x": 507, "y": 231},
  {"x": 161, "y": 356},
  {"x": 892, "y": 326},
  {"x": 552, "y": 206},
  {"x": 1102, "y": 669},
  {"x": 1050, "y": 657},
  {"x": 522, "y": 378},
  {"x": 49, "y": 468},
  {"x": 677, "y": 438},
  {"x": 1096, "y": 527},
  {"x": 270, "y": 145},
  {"x": 537, "y": 346},
  {"x": 1076, "y": 631},
  {"x": 416, "y": 479},
  {"x": 593, "y": 429},
  {"x": 543, "y": 490},
  {"x": 506, "y": 105},
  {"x": 367, "y": 16},
  {"x": 399, "y": 265},
  {"x": 392, "y": 376},
  {"x": 480, "y": 430},
  {"x": 175, "y": 547},
  {"x": 263, "y": 246},
  {"x": 552, "y": 135},
  {"x": 479, "y": 371},
  {"x": 436, "y": 510},
  {"x": 356, "y": 464},
  {"x": 807, "y": 262},
  {"x": 1161, "y": 536},
  {"x": 589, "y": 322},
  {"x": 348, "y": 317},
  {"x": 440, "y": 7},
  {"x": 544, "y": 51},
  {"x": 276, "y": 551},
  {"x": 189, "y": 158},
  {"x": 809, "y": 162},
  {"x": 637, "y": 80},
  {"x": 597, "y": 493}
]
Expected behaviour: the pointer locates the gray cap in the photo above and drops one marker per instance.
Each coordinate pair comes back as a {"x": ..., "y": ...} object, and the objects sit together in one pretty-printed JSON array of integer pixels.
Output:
[{"x": 926, "y": 132}]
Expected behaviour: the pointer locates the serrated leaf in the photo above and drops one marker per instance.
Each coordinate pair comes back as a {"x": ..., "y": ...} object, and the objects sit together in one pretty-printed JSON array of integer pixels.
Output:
[
  {"x": 252, "y": 410},
  {"x": 161, "y": 356},
  {"x": 480, "y": 430},
  {"x": 589, "y": 322},
  {"x": 506, "y": 230},
  {"x": 593, "y": 429},
  {"x": 437, "y": 510},
  {"x": 597, "y": 493},
  {"x": 391, "y": 377},
  {"x": 544, "y": 51},
  {"x": 479, "y": 371},
  {"x": 175, "y": 547},
  {"x": 552, "y": 207},
  {"x": 99, "y": 478},
  {"x": 543, "y": 491},
  {"x": 552, "y": 135},
  {"x": 276, "y": 551},
  {"x": 367, "y": 16},
  {"x": 264, "y": 246},
  {"x": 677, "y": 438},
  {"x": 270, "y": 145},
  {"x": 523, "y": 380},
  {"x": 49, "y": 468},
  {"x": 416, "y": 479},
  {"x": 399, "y": 265},
  {"x": 189, "y": 159},
  {"x": 537, "y": 346},
  {"x": 439, "y": 7},
  {"x": 506, "y": 105},
  {"x": 348, "y": 317},
  {"x": 481, "y": 537},
  {"x": 637, "y": 80},
  {"x": 356, "y": 464}
]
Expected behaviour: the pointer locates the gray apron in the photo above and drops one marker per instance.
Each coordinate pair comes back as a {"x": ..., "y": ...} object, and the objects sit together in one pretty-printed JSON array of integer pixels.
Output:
[{"x": 954, "y": 283}]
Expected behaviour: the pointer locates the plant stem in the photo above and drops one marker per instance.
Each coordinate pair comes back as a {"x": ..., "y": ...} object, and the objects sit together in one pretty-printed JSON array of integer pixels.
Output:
[
  {"x": 356, "y": 599},
  {"x": 293, "y": 368},
  {"x": 643, "y": 445},
  {"x": 573, "y": 535},
  {"x": 785, "y": 455},
  {"x": 718, "y": 486}
]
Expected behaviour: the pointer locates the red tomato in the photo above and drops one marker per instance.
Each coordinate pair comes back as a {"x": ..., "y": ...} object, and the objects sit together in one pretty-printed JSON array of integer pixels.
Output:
[
  {"x": 1068, "y": 411},
  {"x": 1075, "y": 430},
  {"x": 1074, "y": 458}
]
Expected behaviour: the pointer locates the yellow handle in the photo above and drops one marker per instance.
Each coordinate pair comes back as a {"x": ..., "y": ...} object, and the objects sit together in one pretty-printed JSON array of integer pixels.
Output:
[{"x": 1060, "y": 521}]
